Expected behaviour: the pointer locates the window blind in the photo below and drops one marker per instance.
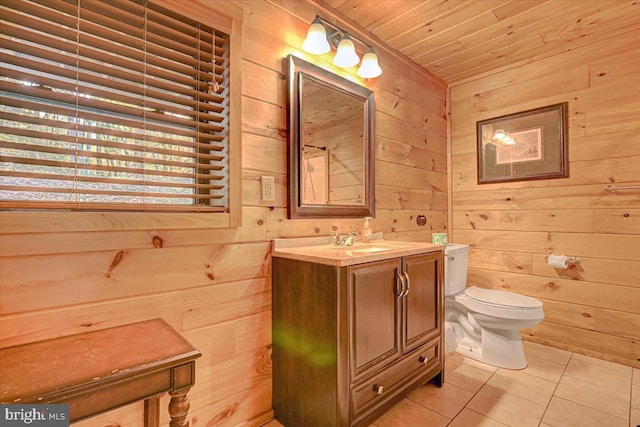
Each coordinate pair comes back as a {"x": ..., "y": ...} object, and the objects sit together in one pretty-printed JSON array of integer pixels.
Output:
[{"x": 111, "y": 105}]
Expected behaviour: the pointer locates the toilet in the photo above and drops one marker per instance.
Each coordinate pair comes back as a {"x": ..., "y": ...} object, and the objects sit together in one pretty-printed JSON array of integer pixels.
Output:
[{"x": 484, "y": 324}]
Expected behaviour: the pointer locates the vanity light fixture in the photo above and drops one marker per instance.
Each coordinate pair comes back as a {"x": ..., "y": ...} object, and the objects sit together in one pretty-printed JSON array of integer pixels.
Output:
[
  {"x": 316, "y": 41},
  {"x": 369, "y": 67},
  {"x": 508, "y": 141},
  {"x": 499, "y": 134},
  {"x": 322, "y": 34},
  {"x": 346, "y": 55},
  {"x": 503, "y": 137}
]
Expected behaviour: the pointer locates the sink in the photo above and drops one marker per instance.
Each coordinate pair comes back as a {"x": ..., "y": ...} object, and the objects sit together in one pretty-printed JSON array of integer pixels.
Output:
[
  {"x": 368, "y": 248},
  {"x": 372, "y": 249}
]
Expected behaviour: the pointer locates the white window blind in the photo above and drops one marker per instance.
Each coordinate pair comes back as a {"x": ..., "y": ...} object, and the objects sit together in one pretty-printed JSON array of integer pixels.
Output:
[{"x": 112, "y": 105}]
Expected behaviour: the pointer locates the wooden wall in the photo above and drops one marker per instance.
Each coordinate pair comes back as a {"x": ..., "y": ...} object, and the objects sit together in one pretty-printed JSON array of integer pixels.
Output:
[
  {"x": 593, "y": 308},
  {"x": 68, "y": 273}
]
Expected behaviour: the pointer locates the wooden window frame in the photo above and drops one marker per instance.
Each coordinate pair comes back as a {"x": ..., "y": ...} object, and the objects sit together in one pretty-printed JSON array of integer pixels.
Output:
[{"x": 226, "y": 18}]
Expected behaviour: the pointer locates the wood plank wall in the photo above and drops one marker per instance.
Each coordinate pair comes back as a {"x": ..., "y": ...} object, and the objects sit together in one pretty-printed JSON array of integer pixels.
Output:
[
  {"x": 69, "y": 273},
  {"x": 593, "y": 308}
]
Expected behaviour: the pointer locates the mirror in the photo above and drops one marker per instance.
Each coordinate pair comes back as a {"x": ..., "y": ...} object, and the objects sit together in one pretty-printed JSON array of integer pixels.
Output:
[{"x": 331, "y": 144}]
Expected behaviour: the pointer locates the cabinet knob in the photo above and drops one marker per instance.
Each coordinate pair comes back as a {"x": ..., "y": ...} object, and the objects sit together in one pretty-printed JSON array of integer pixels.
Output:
[
  {"x": 378, "y": 388},
  {"x": 423, "y": 360}
]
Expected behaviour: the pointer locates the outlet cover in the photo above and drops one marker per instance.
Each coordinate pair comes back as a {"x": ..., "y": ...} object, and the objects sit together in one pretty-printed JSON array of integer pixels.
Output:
[{"x": 268, "y": 190}]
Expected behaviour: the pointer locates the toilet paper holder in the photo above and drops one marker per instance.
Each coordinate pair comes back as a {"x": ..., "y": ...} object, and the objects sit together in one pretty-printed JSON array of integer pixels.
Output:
[{"x": 561, "y": 261}]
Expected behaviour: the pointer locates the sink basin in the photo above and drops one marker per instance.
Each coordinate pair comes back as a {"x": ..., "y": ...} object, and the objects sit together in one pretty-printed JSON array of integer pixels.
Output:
[
  {"x": 368, "y": 248},
  {"x": 372, "y": 249}
]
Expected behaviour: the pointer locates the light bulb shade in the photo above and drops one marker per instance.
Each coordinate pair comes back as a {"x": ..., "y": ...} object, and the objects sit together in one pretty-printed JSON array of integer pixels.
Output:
[
  {"x": 369, "y": 67},
  {"x": 499, "y": 134},
  {"x": 316, "y": 41},
  {"x": 346, "y": 55},
  {"x": 507, "y": 140},
  {"x": 503, "y": 137}
]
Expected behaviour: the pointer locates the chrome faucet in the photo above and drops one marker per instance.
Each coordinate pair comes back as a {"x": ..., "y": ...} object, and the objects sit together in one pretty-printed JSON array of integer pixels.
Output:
[{"x": 343, "y": 241}]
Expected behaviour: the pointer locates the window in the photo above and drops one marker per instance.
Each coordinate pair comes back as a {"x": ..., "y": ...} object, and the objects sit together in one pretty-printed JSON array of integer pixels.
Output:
[{"x": 115, "y": 106}]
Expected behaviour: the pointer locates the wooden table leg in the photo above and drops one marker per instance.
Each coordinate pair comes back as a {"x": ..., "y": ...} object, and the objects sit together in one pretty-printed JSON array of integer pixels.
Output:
[
  {"x": 152, "y": 412},
  {"x": 178, "y": 408}
]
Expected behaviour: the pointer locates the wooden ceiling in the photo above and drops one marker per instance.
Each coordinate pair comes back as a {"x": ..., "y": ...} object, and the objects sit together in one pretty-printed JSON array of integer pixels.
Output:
[{"x": 458, "y": 39}]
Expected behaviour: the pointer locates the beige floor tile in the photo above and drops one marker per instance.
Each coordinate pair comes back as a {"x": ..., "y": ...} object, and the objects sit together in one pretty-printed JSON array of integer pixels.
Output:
[
  {"x": 465, "y": 376},
  {"x": 594, "y": 396},
  {"x": 564, "y": 413},
  {"x": 447, "y": 400},
  {"x": 506, "y": 408},
  {"x": 472, "y": 362},
  {"x": 543, "y": 368},
  {"x": 635, "y": 417},
  {"x": 588, "y": 392},
  {"x": 521, "y": 384},
  {"x": 635, "y": 396},
  {"x": 409, "y": 414},
  {"x": 469, "y": 418},
  {"x": 623, "y": 369},
  {"x": 548, "y": 353},
  {"x": 598, "y": 374}
]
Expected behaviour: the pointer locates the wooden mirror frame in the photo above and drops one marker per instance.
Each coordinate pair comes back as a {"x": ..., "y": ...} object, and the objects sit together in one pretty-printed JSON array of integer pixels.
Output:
[{"x": 296, "y": 68}]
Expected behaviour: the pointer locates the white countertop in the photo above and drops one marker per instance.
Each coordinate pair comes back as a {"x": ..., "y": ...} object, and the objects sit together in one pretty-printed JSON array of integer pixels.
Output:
[{"x": 322, "y": 250}]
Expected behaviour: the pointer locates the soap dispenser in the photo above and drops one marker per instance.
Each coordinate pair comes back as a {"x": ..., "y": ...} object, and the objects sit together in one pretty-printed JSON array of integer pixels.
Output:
[{"x": 365, "y": 236}]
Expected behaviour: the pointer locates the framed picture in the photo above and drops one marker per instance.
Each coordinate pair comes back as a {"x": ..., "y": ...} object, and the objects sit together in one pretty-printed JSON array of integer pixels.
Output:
[{"x": 523, "y": 146}]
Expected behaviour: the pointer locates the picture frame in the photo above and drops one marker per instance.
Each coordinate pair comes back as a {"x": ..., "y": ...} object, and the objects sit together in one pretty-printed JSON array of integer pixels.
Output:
[{"x": 528, "y": 145}]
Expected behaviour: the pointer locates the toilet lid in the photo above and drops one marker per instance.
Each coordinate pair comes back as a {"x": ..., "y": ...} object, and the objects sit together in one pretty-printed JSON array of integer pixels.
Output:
[{"x": 501, "y": 298}]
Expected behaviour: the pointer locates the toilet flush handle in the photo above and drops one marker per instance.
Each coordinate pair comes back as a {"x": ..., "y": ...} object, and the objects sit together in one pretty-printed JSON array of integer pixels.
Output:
[{"x": 452, "y": 258}]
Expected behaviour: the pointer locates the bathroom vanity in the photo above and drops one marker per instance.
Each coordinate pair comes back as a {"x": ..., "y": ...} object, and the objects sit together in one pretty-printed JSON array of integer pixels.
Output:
[{"x": 355, "y": 328}]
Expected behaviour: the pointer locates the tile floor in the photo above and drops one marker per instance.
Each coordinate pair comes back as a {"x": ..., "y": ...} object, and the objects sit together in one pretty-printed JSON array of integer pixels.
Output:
[{"x": 558, "y": 388}]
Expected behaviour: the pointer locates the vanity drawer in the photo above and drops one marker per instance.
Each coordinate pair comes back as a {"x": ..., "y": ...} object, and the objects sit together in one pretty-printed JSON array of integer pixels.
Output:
[{"x": 382, "y": 387}]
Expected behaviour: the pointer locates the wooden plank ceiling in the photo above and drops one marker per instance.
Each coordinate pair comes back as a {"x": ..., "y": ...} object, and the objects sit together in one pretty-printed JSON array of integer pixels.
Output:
[{"x": 458, "y": 39}]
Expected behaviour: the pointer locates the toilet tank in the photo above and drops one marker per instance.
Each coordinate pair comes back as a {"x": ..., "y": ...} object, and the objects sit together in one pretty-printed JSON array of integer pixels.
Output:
[{"x": 456, "y": 259}]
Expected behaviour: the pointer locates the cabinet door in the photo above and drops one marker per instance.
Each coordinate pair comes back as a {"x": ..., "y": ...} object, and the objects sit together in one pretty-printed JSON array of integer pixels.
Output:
[
  {"x": 422, "y": 304},
  {"x": 374, "y": 316}
]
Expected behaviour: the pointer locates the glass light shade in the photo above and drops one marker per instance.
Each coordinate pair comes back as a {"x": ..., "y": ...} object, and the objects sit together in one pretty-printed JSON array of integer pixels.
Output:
[
  {"x": 346, "y": 55},
  {"x": 507, "y": 140},
  {"x": 499, "y": 134},
  {"x": 503, "y": 137},
  {"x": 369, "y": 67},
  {"x": 316, "y": 41}
]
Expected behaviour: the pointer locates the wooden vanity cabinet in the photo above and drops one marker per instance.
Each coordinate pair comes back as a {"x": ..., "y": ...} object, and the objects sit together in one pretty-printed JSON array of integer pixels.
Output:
[{"x": 351, "y": 341}]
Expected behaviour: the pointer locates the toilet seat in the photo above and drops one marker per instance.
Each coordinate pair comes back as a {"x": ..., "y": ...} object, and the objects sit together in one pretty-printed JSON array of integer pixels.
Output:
[
  {"x": 502, "y": 298},
  {"x": 501, "y": 304}
]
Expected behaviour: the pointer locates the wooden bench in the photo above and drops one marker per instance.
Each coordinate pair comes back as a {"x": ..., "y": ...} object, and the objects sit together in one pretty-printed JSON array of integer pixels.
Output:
[{"x": 95, "y": 372}]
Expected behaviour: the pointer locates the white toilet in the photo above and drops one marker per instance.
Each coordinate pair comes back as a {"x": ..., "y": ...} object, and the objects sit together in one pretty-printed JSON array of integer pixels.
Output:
[{"x": 484, "y": 324}]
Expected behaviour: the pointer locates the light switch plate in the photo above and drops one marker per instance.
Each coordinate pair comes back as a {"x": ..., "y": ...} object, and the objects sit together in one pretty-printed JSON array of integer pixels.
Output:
[{"x": 268, "y": 191}]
